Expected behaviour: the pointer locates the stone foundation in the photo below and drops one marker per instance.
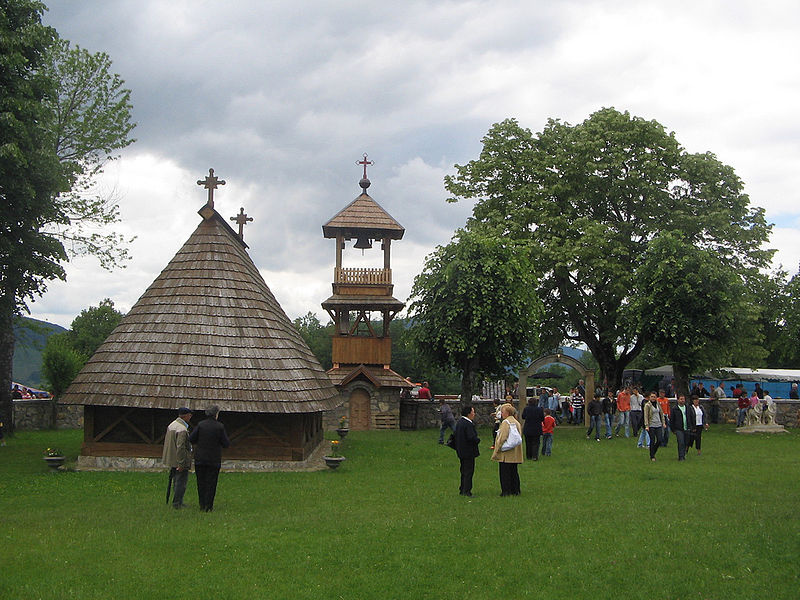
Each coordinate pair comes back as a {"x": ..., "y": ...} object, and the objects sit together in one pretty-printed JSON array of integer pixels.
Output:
[{"x": 314, "y": 462}]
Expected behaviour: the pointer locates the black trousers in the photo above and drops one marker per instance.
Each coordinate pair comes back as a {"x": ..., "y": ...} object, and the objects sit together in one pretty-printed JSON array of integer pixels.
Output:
[
  {"x": 637, "y": 418},
  {"x": 509, "y": 479},
  {"x": 697, "y": 437},
  {"x": 655, "y": 440},
  {"x": 467, "y": 470},
  {"x": 207, "y": 476},
  {"x": 532, "y": 446}
]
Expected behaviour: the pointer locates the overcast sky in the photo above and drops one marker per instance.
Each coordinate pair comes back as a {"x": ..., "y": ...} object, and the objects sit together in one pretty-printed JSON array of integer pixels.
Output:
[{"x": 282, "y": 98}]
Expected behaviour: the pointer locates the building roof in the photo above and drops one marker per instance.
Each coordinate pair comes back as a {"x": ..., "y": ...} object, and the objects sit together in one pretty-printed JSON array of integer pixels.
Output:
[
  {"x": 207, "y": 331},
  {"x": 378, "y": 376},
  {"x": 363, "y": 217}
]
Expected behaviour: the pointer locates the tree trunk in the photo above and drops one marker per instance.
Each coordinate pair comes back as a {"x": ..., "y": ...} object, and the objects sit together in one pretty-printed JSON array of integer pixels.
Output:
[
  {"x": 468, "y": 376},
  {"x": 681, "y": 374},
  {"x": 6, "y": 367}
]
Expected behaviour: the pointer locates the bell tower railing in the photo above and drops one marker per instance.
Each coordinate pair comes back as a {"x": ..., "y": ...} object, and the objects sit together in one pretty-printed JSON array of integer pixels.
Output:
[{"x": 362, "y": 276}]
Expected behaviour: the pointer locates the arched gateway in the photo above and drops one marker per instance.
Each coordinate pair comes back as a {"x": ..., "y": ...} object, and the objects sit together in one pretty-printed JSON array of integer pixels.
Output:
[{"x": 586, "y": 374}]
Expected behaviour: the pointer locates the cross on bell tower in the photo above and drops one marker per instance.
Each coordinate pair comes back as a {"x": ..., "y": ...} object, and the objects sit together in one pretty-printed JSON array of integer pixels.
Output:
[{"x": 211, "y": 182}]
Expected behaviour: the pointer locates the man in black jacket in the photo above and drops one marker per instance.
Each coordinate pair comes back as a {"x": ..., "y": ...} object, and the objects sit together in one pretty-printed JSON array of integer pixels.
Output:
[
  {"x": 533, "y": 416},
  {"x": 209, "y": 438},
  {"x": 467, "y": 440}
]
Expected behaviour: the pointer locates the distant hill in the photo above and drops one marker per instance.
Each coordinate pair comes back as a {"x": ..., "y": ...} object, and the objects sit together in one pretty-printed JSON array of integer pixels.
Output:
[{"x": 31, "y": 337}]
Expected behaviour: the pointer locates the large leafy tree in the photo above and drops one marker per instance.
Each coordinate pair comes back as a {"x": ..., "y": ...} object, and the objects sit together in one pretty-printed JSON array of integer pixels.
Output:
[
  {"x": 59, "y": 123},
  {"x": 474, "y": 307},
  {"x": 588, "y": 199}
]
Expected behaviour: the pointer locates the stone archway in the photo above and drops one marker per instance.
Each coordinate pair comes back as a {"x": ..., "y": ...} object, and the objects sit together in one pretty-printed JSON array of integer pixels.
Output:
[{"x": 586, "y": 374}]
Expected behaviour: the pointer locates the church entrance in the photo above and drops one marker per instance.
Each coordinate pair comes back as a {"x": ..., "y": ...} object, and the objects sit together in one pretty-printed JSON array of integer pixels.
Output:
[{"x": 359, "y": 410}]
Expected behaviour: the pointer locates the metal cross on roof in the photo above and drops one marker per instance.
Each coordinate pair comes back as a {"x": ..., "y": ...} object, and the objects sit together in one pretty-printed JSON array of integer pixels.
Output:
[
  {"x": 210, "y": 183},
  {"x": 241, "y": 219},
  {"x": 365, "y": 162}
]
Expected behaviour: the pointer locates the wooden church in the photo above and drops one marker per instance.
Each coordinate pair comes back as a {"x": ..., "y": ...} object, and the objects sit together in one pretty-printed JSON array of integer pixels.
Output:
[
  {"x": 362, "y": 307},
  {"x": 207, "y": 331}
]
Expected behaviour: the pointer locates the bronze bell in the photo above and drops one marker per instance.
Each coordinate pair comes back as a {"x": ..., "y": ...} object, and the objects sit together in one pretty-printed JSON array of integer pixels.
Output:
[{"x": 363, "y": 243}]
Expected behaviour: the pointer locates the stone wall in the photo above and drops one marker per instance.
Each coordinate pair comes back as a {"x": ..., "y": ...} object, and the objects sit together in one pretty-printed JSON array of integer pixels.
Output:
[
  {"x": 38, "y": 414},
  {"x": 423, "y": 414}
]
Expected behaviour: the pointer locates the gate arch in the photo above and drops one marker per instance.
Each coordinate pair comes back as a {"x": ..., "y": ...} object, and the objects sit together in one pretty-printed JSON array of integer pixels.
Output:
[{"x": 586, "y": 374}]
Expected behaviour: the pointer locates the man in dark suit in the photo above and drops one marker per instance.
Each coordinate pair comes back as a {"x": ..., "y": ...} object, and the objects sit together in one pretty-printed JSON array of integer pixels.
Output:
[
  {"x": 467, "y": 440},
  {"x": 209, "y": 438},
  {"x": 533, "y": 416}
]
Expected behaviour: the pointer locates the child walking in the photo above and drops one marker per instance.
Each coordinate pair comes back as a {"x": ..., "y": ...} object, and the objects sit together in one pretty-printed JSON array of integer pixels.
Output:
[{"x": 548, "y": 425}]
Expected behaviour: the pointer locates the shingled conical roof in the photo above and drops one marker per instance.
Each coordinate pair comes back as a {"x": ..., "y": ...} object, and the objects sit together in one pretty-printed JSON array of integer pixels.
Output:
[{"x": 207, "y": 331}]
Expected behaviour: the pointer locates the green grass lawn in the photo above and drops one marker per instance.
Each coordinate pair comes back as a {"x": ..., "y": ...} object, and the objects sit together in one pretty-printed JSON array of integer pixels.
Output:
[{"x": 595, "y": 520}]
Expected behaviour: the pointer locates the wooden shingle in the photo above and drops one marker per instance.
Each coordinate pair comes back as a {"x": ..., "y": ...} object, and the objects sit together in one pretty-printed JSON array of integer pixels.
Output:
[{"x": 207, "y": 331}]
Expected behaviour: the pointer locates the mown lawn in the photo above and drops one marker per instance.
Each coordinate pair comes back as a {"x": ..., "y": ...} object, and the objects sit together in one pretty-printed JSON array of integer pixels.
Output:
[{"x": 595, "y": 520}]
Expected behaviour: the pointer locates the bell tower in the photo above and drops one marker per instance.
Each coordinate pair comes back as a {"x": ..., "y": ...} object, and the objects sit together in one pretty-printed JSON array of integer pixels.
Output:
[{"x": 362, "y": 307}]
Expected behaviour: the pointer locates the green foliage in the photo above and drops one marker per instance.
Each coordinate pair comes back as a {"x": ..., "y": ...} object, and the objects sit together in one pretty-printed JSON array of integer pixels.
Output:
[
  {"x": 60, "y": 363},
  {"x": 690, "y": 306},
  {"x": 88, "y": 122},
  {"x": 475, "y": 307},
  {"x": 317, "y": 336},
  {"x": 779, "y": 301},
  {"x": 312, "y": 535},
  {"x": 92, "y": 326},
  {"x": 588, "y": 200},
  {"x": 62, "y": 115}
]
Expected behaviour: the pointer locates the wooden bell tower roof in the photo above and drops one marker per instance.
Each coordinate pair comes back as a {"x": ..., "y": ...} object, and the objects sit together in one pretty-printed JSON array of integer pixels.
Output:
[{"x": 363, "y": 217}]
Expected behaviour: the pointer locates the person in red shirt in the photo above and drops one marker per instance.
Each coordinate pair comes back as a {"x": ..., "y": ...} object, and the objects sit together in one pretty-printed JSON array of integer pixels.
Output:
[
  {"x": 548, "y": 425},
  {"x": 424, "y": 392},
  {"x": 663, "y": 402},
  {"x": 624, "y": 411}
]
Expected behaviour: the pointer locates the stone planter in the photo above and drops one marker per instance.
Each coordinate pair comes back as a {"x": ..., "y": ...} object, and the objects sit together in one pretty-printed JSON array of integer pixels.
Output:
[
  {"x": 54, "y": 462},
  {"x": 343, "y": 431},
  {"x": 333, "y": 462}
]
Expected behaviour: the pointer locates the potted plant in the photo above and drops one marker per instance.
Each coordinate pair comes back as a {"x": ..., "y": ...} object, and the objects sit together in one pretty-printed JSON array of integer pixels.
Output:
[
  {"x": 54, "y": 458},
  {"x": 343, "y": 429},
  {"x": 334, "y": 459}
]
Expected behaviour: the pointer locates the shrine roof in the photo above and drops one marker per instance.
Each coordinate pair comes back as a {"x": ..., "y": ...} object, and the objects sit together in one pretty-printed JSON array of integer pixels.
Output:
[{"x": 207, "y": 331}]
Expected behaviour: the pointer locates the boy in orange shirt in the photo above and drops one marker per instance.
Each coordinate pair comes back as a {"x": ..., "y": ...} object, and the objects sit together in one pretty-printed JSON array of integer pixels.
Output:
[
  {"x": 663, "y": 402},
  {"x": 548, "y": 425}
]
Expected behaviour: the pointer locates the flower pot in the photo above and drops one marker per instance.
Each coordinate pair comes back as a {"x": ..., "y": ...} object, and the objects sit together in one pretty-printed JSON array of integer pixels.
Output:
[
  {"x": 333, "y": 462},
  {"x": 343, "y": 431},
  {"x": 54, "y": 462}
]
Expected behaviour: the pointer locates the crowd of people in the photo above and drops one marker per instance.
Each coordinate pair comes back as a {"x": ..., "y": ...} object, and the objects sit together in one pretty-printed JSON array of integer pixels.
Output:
[{"x": 650, "y": 420}]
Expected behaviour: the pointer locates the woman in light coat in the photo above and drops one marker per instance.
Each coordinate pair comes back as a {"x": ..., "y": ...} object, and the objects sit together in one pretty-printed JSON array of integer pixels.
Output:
[{"x": 511, "y": 458}]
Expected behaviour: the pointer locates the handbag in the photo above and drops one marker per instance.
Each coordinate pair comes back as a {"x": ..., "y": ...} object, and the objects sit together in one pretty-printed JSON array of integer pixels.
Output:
[{"x": 513, "y": 440}]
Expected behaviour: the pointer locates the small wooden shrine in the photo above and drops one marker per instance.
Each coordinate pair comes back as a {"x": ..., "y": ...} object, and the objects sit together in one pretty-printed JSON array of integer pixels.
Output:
[
  {"x": 362, "y": 307},
  {"x": 207, "y": 331}
]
